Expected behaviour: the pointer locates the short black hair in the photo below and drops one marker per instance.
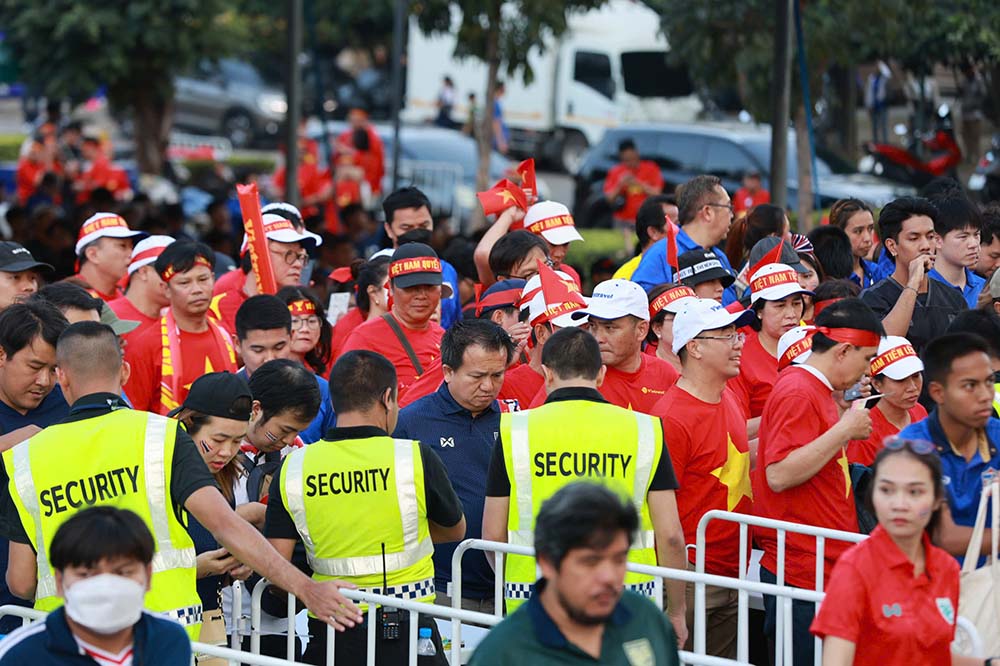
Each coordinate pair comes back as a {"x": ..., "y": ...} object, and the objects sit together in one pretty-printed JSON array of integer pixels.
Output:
[
  {"x": 359, "y": 379},
  {"x": 21, "y": 323},
  {"x": 956, "y": 213},
  {"x": 404, "y": 197},
  {"x": 65, "y": 295},
  {"x": 468, "y": 332},
  {"x": 991, "y": 223},
  {"x": 370, "y": 273},
  {"x": 836, "y": 289},
  {"x": 572, "y": 353},
  {"x": 984, "y": 323},
  {"x": 90, "y": 349},
  {"x": 650, "y": 216},
  {"x": 283, "y": 385},
  {"x": 626, "y": 144},
  {"x": 894, "y": 213},
  {"x": 941, "y": 352},
  {"x": 583, "y": 514},
  {"x": 263, "y": 312},
  {"x": 846, "y": 313},
  {"x": 182, "y": 255},
  {"x": 832, "y": 248},
  {"x": 511, "y": 249},
  {"x": 100, "y": 533}
]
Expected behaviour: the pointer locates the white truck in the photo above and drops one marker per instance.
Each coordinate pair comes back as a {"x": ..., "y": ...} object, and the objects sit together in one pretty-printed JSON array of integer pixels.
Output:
[{"x": 609, "y": 67}]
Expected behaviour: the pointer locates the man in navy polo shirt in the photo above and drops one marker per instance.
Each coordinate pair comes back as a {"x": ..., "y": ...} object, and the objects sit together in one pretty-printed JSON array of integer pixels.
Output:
[{"x": 461, "y": 421}]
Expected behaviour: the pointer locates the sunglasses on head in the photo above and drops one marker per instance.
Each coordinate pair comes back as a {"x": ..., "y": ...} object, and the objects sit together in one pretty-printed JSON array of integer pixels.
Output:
[{"x": 919, "y": 446}]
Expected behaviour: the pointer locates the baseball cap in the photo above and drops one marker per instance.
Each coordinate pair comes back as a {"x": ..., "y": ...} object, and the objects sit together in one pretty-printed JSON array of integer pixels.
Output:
[
  {"x": 672, "y": 300},
  {"x": 533, "y": 299},
  {"x": 105, "y": 225},
  {"x": 552, "y": 221},
  {"x": 502, "y": 294},
  {"x": 284, "y": 209},
  {"x": 216, "y": 394},
  {"x": 147, "y": 250},
  {"x": 774, "y": 282},
  {"x": 795, "y": 346},
  {"x": 15, "y": 258},
  {"x": 896, "y": 359},
  {"x": 697, "y": 266},
  {"x": 279, "y": 228},
  {"x": 704, "y": 314},
  {"x": 414, "y": 264},
  {"x": 788, "y": 255},
  {"x": 118, "y": 325},
  {"x": 616, "y": 298}
]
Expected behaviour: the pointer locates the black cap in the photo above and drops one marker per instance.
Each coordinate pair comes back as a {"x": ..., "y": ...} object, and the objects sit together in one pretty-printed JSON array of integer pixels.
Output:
[
  {"x": 14, "y": 258},
  {"x": 415, "y": 264},
  {"x": 789, "y": 256},
  {"x": 216, "y": 394},
  {"x": 697, "y": 266}
]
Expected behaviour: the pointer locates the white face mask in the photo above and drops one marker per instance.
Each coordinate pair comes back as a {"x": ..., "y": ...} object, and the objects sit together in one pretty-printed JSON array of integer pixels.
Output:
[{"x": 105, "y": 604}]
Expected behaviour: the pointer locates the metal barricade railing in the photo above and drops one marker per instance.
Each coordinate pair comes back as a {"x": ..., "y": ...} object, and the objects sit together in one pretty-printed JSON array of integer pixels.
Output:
[{"x": 783, "y": 642}]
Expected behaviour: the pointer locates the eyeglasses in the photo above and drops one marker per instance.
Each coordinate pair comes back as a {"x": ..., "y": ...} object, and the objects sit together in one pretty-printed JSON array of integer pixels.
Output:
[
  {"x": 292, "y": 257},
  {"x": 307, "y": 322},
  {"x": 733, "y": 338},
  {"x": 728, "y": 205},
  {"x": 919, "y": 446}
]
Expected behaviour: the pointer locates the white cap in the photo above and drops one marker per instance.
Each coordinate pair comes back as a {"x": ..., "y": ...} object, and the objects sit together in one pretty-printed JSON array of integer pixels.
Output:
[
  {"x": 533, "y": 299},
  {"x": 147, "y": 250},
  {"x": 104, "y": 225},
  {"x": 896, "y": 359},
  {"x": 279, "y": 207},
  {"x": 795, "y": 346},
  {"x": 281, "y": 229},
  {"x": 613, "y": 299},
  {"x": 384, "y": 252},
  {"x": 552, "y": 221},
  {"x": 774, "y": 282},
  {"x": 705, "y": 314},
  {"x": 671, "y": 300}
]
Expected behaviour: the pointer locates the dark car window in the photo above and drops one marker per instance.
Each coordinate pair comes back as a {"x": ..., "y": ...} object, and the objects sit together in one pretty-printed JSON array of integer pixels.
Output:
[
  {"x": 681, "y": 152},
  {"x": 647, "y": 74},
  {"x": 762, "y": 151},
  {"x": 727, "y": 160},
  {"x": 593, "y": 70},
  {"x": 647, "y": 143}
]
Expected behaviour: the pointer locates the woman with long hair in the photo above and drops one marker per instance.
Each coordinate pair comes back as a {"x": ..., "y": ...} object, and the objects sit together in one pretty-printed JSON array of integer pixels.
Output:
[{"x": 311, "y": 332}]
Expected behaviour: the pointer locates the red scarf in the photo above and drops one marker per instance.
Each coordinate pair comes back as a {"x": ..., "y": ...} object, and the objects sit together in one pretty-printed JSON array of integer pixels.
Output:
[{"x": 171, "y": 344}]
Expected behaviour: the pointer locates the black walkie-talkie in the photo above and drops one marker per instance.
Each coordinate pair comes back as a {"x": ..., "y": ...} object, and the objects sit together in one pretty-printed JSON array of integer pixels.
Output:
[{"x": 390, "y": 616}]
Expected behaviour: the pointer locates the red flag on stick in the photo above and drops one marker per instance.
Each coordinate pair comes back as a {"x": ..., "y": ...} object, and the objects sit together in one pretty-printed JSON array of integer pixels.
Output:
[
  {"x": 671, "y": 230},
  {"x": 772, "y": 257},
  {"x": 502, "y": 196},
  {"x": 560, "y": 298},
  {"x": 253, "y": 225},
  {"x": 526, "y": 170}
]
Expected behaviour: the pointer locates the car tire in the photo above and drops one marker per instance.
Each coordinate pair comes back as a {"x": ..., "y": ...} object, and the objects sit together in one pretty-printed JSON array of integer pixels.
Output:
[
  {"x": 237, "y": 126},
  {"x": 572, "y": 149}
]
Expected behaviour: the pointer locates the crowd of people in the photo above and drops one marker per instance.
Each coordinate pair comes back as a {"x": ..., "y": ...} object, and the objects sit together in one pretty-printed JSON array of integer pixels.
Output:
[{"x": 209, "y": 432}]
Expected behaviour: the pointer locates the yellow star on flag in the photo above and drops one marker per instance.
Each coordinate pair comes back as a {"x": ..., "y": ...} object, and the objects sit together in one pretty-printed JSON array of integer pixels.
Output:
[
  {"x": 842, "y": 461},
  {"x": 735, "y": 475},
  {"x": 208, "y": 369},
  {"x": 507, "y": 196}
]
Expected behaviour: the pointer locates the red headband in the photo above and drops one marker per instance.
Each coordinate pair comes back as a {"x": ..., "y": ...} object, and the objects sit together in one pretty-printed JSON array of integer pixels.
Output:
[
  {"x": 301, "y": 307},
  {"x": 669, "y": 296},
  {"x": 505, "y": 298},
  {"x": 171, "y": 272},
  {"x": 819, "y": 306},
  {"x": 150, "y": 253},
  {"x": 882, "y": 361},
  {"x": 414, "y": 265},
  {"x": 851, "y": 336}
]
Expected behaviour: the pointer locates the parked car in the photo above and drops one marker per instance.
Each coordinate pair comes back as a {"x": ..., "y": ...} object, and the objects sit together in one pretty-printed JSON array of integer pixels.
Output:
[
  {"x": 726, "y": 150},
  {"x": 228, "y": 98}
]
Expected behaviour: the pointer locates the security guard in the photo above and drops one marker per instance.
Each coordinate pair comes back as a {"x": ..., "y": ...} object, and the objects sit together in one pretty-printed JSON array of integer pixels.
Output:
[
  {"x": 577, "y": 434},
  {"x": 107, "y": 454},
  {"x": 368, "y": 509}
]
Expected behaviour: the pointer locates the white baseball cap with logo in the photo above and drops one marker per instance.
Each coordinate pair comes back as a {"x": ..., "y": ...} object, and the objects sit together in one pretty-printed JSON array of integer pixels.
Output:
[
  {"x": 147, "y": 250},
  {"x": 705, "y": 314},
  {"x": 533, "y": 299},
  {"x": 282, "y": 230},
  {"x": 105, "y": 225},
  {"x": 613, "y": 299},
  {"x": 775, "y": 282},
  {"x": 896, "y": 359},
  {"x": 795, "y": 346},
  {"x": 552, "y": 221}
]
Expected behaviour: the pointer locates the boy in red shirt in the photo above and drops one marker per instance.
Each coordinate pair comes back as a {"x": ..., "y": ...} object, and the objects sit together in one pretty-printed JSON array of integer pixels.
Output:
[
  {"x": 705, "y": 432},
  {"x": 802, "y": 471}
]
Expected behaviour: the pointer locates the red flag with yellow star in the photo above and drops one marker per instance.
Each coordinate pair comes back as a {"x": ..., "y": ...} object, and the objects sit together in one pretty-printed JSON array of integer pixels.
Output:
[
  {"x": 502, "y": 196},
  {"x": 772, "y": 257},
  {"x": 560, "y": 298},
  {"x": 526, "y": 171}
]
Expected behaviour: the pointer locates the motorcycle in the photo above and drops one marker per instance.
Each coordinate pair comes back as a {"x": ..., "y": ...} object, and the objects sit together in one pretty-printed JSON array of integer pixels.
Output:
[
  {"x": 985, "y": 180},
  {"x": 925, "y": 157}
]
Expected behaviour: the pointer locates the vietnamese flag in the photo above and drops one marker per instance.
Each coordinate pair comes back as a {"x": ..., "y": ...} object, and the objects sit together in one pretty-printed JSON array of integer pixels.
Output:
[
  {"x": 560, "y": 299},
  {"x": 772, "y": 257},
  {"x": 526, "y": 171},
  {"x": 502, "y": 196},
  {"x": 671, "y": 230},
  {"x": 253, "y": 225}
]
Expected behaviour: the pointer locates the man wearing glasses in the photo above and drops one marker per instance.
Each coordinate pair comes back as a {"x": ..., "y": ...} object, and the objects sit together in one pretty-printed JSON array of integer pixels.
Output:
[
  {"x": 706, "y": 213},
  {"x": 289, "y": 247}
]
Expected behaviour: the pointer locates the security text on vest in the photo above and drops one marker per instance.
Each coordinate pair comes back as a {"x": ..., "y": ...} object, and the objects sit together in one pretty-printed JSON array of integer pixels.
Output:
[
  {"x": 101, "y": 487},
  {"x": 553, "y": 463},
  {"x": 349, "y": 481}
]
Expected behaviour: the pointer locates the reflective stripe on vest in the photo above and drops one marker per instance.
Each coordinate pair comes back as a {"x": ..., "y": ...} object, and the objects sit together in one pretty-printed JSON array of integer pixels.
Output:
[
  {"x": 414, "y": 549},
  {"x": 166, "y": 556},
  {"x": 25, "y": 484}
]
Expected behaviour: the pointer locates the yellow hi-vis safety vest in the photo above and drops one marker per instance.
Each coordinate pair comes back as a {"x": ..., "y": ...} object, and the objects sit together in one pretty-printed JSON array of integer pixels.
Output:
[
  {"x": 120, "y": 459},
  {"x": 561, "y": 442},
  {"x": 348, "y": 499}
]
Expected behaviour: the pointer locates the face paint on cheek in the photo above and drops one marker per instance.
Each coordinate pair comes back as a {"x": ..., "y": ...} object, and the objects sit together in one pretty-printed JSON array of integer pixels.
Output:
[
  {"x": 924, "y": 513},
  {"x": 270, "y": 437}
]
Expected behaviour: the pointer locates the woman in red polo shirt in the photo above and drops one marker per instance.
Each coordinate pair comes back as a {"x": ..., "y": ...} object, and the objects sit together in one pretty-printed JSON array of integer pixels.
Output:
[
  {"x": 897, "y": 375},
  {"x": 893, "y": 598},
  {"x": 371, "y": 286}
]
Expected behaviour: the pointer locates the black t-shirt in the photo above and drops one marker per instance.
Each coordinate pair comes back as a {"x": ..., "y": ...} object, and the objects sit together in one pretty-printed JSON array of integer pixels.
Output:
[
  {"x": 498, "y": 484},
  {"x": 188, "y": 471},
  {"x": 931, "y": 314},
  {"x": 443, "y": 505}
]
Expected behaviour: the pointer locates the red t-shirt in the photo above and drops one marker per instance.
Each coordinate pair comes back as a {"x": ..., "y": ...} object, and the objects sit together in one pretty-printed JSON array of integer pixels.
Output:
[
  {"x": 425, "y": 384},
  {"x": 27, "y": 177},
  {"x": 758, "y": 372},
  {"x": 647, "y": 173},
  {"x": 743, "y": 200},
  {"x": 522, "y": 384},
  {"x": 376, "y": 335},
  {"x": 342, "y": 330},
  {"x": 200, "y": 355},
  {"x": 711, "y": 457},
  {"x": 638, "y": 391},
  {"x": 125, "y": 310},
  {"x": 371, "y": 160},
  {"x": 801, "y": 409},
  {"x": 864, "y": 451},
  {"x": 229, "y": 281},
  {"x": 892, "y": 617},
  {"x": 107, "y": 298},
  {"x": 224, "y": 307}
]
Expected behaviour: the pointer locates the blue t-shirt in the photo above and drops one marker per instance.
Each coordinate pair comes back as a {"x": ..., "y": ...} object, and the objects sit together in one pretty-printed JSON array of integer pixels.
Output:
[
  {"x": 653, "y": 270},
  {"x": 451, "y": 307},
  {"x": 869, "y": 270},
  {"x": 973, "y": 286},
  {"x": 465, "y": 444}
]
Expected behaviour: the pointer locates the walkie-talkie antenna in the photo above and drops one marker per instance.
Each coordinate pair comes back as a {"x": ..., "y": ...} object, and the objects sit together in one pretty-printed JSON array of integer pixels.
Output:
[{"x": 385, "y": 579}]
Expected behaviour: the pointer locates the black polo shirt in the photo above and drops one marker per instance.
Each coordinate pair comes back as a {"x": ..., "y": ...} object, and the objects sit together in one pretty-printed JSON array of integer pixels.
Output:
[
  {"x": 188, "y": 471},
  {"x": 932, "y": 312}
]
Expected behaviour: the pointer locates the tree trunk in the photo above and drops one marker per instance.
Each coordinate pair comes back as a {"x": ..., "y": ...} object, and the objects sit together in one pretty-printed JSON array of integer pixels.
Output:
[
  {"x": 849, "y": 95},
  {"x": 153, "y": 120},
  {"x": 484, "y": 133},
  {"x": 804, "y": 175}
]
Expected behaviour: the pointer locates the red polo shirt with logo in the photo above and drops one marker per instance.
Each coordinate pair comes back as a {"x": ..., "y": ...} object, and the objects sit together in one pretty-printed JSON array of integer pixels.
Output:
[
  {"x": 875, "y": 600},
  {"x": 638, "y": 391},
  {"x": 376, "y": 335}
]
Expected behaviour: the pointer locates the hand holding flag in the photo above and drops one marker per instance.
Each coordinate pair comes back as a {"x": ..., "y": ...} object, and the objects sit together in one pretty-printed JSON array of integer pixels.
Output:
[{"x": 502, "y": 196}]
